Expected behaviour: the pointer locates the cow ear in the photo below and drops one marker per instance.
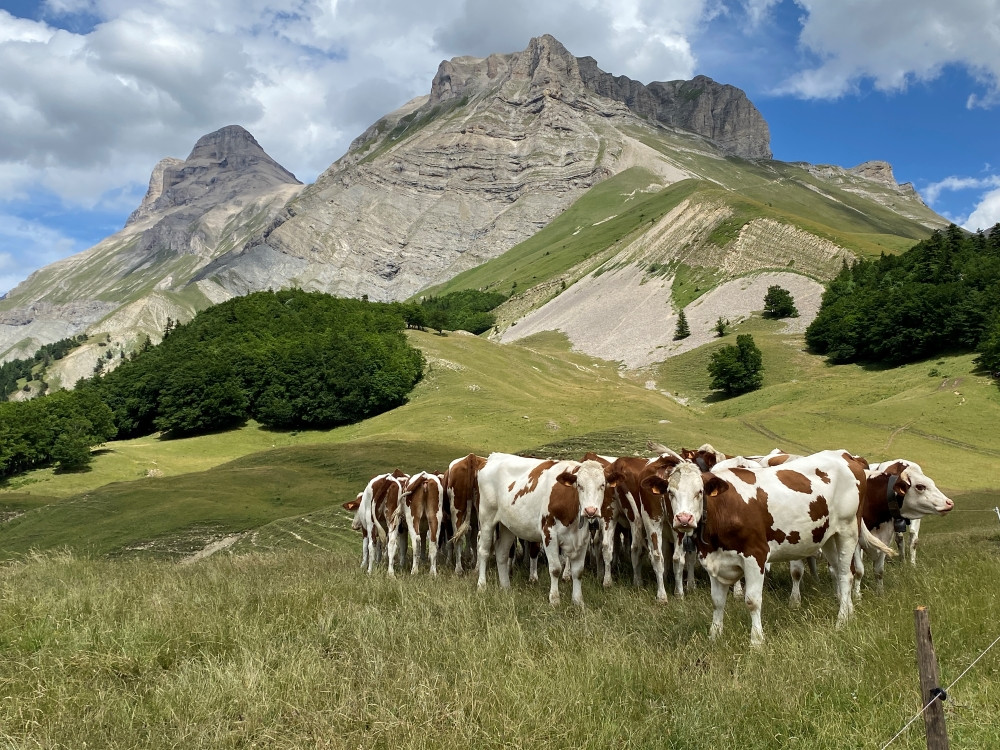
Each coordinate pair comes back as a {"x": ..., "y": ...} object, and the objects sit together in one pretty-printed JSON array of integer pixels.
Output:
[
  {"x": 656, "y": 485},
  {"x": 612, "y": 477},
  {"x": 568, "y": 478},
  {"x": 714, "y": 485},
  {"x": 352, "y": 504}
]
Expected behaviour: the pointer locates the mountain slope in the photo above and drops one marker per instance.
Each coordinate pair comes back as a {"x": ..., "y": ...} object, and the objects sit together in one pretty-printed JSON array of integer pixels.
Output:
[{"x": 513, "y": 156}]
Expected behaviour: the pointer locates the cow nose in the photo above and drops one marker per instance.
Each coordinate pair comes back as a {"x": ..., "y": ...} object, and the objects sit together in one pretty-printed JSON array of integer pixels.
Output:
[
  {"x": 948, "y": 505},
  {"x": 684, "y": 519},
  {"x": 591, "y": 511}
]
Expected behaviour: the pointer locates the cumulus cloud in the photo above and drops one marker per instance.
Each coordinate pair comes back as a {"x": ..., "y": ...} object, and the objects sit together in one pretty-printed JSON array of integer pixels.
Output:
[
  {"x": 894, "y": 43},
  {"x": 987, "y": 201},
  {"x": 986, "y": 214},
  {"x": 28, "y": 242}
]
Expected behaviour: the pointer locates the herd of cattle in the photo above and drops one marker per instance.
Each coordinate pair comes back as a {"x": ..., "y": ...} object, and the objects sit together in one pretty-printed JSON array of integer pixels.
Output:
[{"x": 737, "y": 515}]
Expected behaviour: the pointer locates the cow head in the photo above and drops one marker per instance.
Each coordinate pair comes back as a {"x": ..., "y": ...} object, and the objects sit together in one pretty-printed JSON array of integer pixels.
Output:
[
  {"x": 916, "y": 492},
  {"x": 590, "y": 481},
  {"x": 686, "y": 489},
  {"x": 352, "y": 507}
]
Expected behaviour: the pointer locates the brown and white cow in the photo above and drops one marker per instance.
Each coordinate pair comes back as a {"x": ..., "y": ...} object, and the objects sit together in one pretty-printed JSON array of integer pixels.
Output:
[
  {"x": 462, "y": 501},
  {"x": 423, "y": 511},
  {"x": 741, "y": 519},
  {"x": 352, "y": 507},
  {"x": 898, "y": 491},
  {"x": 379, "y": 514},
  {"x": 550, "y": 502}
]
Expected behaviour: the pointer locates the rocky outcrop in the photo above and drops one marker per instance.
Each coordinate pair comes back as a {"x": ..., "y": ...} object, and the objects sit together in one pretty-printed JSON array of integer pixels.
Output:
[
  {"x": 226, "y": 191},
  {"x": 720, "y": 112}
]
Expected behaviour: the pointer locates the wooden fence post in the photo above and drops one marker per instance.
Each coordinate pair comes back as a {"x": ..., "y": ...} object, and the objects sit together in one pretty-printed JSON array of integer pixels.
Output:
[{"x": 930, "y": 690}]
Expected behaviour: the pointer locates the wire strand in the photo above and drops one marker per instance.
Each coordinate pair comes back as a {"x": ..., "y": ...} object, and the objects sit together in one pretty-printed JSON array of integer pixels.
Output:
[{"x": 947, "y": 690}]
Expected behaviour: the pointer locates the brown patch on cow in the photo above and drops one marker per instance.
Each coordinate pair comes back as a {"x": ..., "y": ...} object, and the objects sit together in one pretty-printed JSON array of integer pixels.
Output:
[
  {"x": 824, "y": 477},
  {"x": 818, "y": 509},
  {"x": 794, "y": 537},
  {"x": 547, "y": 522},
  {"x": 794, "y": 481},
  {"x": 820, "y": 531},
  {"x": 533, "y": 478},
  {"x": 745, "y": 475},
  {"x": 510, "y": 487},
  {"x": 564, "y": 504},
  {"x": 777, "y": 460},
  {"x": 761, "y": 495}
]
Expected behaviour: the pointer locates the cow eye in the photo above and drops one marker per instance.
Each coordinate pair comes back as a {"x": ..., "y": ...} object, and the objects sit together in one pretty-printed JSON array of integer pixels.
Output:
[{"x": 921, "y": 488}]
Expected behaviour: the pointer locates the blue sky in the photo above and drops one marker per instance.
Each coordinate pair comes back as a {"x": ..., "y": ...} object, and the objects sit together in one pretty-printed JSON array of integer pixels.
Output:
[{"x": 94, "y": 92}]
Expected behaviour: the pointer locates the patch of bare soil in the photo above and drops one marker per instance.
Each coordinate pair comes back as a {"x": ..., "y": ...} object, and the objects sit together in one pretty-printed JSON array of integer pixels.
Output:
[
  {"x": 623, "y": 315},
  {"x": 212, "y": 548}
]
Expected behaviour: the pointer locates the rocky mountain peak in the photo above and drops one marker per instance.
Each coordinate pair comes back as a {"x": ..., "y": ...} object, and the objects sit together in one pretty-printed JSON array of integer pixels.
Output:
[
  {"x": 719, "y": 112},
  {"x": 876, "y": 171},
  {"x": 221, "y": 164}
]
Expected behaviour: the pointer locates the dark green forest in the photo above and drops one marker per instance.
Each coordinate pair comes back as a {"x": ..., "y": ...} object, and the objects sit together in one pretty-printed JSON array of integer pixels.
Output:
[
  {"x": 16, "y": 369},
  {"x": 288, "y": 359},
  {"x": 941, "y": 296}
]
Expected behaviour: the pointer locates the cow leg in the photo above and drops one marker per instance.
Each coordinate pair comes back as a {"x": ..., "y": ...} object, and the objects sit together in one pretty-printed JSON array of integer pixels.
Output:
[
  {"x": 413, "y": 530},
  {"x": 690, "y": 566},
  {"x": 485, "y": 542},
  {"x": 434, "y": 526},
  {"x": 534, "y": 549},
  {"x": 654, "y": 533},
  {"x": 797, "y": 569},
  {"x": 608, "y": 529},
  {"x": 555, "y": 566},
  {"x": 754, "y": 598},
  {"x": 914, "y": 538},
  {"x": 738, "y": 589},
  {"x": 878, "y": 566},
  {"x": 579, "y": 561},
  {"x": 842, "y": 548},
  {"x": 720, "y": 592},
  {"x": 364, "y": 550},
  {"x": 505, "y": 538},
  {"x": 392, "y": 543},
  {"x": 813, "y": 569},
  {"x": 679, "y": 565},
  {"x": 636, "y": 550},
  {"x": 858, "y": 571}
]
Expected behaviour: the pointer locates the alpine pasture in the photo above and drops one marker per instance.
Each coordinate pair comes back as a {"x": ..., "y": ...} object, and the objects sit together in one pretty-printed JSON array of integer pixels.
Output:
[{"x": 111, "y": 637}]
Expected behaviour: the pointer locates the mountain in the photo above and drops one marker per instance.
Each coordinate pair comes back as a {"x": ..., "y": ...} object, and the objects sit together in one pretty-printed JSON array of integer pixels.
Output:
[
  {"x": 127, "y": 286},
  {"x": 495, "y": 164}
]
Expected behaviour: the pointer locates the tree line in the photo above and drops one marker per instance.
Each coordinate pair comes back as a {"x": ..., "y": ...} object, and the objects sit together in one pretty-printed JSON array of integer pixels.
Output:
[
  {"x": 288, "y": 359},
  {"x": 942, "y": 295}
]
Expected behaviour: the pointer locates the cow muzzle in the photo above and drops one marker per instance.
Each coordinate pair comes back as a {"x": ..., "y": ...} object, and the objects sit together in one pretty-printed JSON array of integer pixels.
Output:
[
  {"x": 948, "y": 505},
  {"x": 683, "y": 521},
  {"x": 591, "y": 511}
]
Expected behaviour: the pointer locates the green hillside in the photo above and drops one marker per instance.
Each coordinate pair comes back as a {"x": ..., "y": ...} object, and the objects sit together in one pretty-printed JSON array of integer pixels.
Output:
[{"x": 169, "y": 497}]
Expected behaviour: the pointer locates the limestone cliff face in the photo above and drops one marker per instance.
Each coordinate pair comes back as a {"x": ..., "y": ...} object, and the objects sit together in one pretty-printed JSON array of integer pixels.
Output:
[
  {"x": 499, "y": 147},
  {"x": 226, "y": 191}
]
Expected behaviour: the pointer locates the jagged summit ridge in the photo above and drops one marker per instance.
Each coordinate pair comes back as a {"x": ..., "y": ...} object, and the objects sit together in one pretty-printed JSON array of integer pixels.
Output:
[
  {"x": 719, "y": 112},
  {"x": 218, "y": 161}
]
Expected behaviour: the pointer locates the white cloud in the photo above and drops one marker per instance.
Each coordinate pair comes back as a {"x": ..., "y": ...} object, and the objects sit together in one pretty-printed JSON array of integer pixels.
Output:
[
  {"x": 933, "y": 191},
  {"x": 894, "y": 43},
  {"x": 29, "y": 246},
  {"x": 986, "y": 214},
  {"x": 987, "y": 203}
]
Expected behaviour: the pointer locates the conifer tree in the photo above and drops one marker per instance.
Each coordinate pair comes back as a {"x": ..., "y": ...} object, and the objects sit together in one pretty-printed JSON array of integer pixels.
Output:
[{"x": 682, "y": 331}]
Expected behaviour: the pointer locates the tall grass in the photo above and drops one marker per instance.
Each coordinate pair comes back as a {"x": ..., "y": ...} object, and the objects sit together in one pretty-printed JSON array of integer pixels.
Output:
[{"x": 298, "y": 649}]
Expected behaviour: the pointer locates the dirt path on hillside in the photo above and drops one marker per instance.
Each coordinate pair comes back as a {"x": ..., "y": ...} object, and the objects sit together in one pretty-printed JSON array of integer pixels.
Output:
[{"x": 212, "y": 548}]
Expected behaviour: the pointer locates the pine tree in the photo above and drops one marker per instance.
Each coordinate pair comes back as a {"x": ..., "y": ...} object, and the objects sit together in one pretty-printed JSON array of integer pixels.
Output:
[{"x": 682, "y": 331}]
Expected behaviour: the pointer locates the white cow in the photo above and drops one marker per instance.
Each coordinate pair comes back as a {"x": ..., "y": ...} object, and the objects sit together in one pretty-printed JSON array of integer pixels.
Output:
[{"x": 550, "y": 502}]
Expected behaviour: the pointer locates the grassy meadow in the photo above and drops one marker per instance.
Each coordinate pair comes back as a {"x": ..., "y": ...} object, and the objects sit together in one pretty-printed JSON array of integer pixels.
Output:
[{"x": 108, "y": 638}]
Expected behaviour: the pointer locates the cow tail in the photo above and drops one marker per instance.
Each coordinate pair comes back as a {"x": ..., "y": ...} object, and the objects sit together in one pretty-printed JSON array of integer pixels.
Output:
[{"x": 868, "y": 541}]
